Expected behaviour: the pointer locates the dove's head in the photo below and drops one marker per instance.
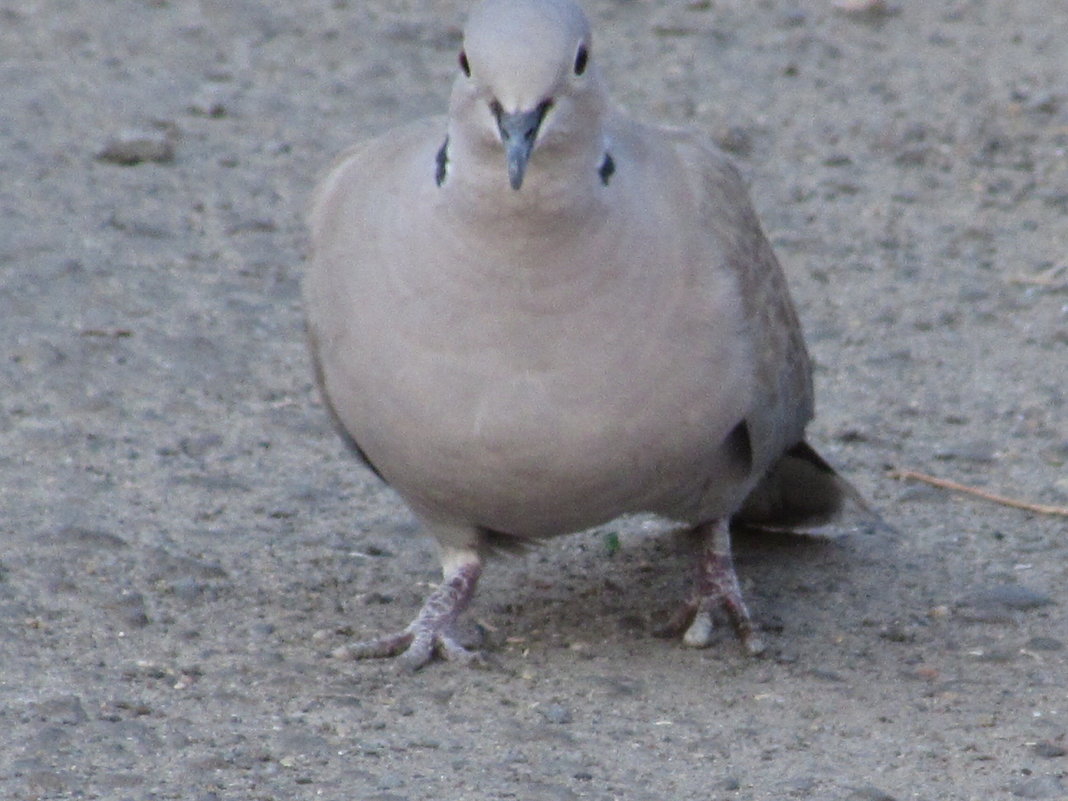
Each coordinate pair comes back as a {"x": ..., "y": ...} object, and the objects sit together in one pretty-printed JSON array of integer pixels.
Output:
[{"x": 528, "y": 84}]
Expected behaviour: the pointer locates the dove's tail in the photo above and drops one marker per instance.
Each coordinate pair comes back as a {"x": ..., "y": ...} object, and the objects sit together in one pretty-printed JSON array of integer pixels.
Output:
[{"x": 803, "y": 494}]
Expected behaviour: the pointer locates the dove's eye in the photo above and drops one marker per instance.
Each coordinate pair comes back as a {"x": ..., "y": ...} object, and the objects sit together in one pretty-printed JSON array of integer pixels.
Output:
[
  {"x": 581, "y": 58},
  {"x": 464, "y": 65}
]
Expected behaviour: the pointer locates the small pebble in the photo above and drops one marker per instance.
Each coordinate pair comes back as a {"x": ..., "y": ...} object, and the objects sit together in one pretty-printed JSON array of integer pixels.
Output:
[
  {"x": 896, "y": 633},
  {"x": 556, "y": 713},
  {"x": 793, "y": 18},
  {"x": 62, "y": 709},
  {"x": 130, "y": 606},
  {"x": 979, "y": 452},
  {"x": 731, "y": 784},
  {"x": 211, "y": 101},
  {"x": 132, "y": 147},
  {"x": 1044, "y": 644},
  {"x": 1043, "y": 102},
  {"x": 1000, "y": 603},
  {"x": 870, "y": 793},
  {"x": 864, "y": 8},
  {"x": 915, "y": 156},
  {"x": 92, "y": 538},
  {"x": 1012, "y": 596},
  {"x": 735, "y": 139},
  {"x": 375, "y": 598},
  {"x": 188, "y": 589},
  {"x": 390, "y": 781},
  {"x": 1038, "y": 787},
  {"x": 837, "y": 160},
  {"x": 1049, "y": 750},
  {"x": 196, "y": 447},
  {"x": 48, "y": 782},
  {"x": 801, "y": 785},
  {"x": 826, "y": 675}
]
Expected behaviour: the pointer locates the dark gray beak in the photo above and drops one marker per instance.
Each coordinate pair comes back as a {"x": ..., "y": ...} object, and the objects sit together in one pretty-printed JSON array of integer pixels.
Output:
[{"x": 519, "y": 132}]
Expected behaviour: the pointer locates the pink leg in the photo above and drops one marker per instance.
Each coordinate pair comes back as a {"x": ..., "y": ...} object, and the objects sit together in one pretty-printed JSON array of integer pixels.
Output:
[
  {"x": 431, "y": 631},
  {"x": 716, "y": 585}
]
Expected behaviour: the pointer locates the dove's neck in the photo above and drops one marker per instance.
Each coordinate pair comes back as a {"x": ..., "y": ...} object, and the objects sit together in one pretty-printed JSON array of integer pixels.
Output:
[
  {"x": 564, "y": 181},
  {"x": 562, "y": 185},
  {"x": 544, "y": 242}
]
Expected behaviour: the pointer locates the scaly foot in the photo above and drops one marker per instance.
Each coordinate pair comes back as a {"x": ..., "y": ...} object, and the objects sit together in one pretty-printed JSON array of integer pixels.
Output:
[
  {"x": 431, "y": 631},
  {"x": 715, "y": 585}
]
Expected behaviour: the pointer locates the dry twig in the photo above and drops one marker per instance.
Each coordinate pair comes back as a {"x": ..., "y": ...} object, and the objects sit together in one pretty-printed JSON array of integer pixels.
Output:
[
  {"x": 1049, "y": 278},
  {"x": 945, "y": 483}
]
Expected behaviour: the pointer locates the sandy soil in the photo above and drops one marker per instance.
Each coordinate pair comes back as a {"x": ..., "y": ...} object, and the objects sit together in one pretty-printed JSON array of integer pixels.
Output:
[{"x": 184, "y": 541}]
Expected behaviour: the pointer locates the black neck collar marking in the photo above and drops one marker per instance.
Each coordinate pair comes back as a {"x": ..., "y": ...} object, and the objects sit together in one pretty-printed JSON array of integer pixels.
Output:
[
  {"x": 607, "y": 168},
  {"x": 441, "y": 161},
  {"x": 441, "y": 165}
]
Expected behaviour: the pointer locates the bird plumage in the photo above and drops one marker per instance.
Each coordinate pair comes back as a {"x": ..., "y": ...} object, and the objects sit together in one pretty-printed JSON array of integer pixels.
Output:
[{"x": 608, "y": 333}]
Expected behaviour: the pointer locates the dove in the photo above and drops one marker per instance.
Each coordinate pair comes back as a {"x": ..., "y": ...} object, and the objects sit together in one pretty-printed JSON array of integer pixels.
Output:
[{"x": 535, "y": 315}]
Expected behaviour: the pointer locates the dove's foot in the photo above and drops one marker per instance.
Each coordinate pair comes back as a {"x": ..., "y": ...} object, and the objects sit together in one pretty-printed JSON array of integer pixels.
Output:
[
  {"x": 716, "y": 585},
  {"x": 432, "y": 630}
]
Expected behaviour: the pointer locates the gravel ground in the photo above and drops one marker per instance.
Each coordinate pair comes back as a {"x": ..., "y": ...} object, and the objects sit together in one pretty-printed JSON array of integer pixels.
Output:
[{"x": 184, "y": 540}]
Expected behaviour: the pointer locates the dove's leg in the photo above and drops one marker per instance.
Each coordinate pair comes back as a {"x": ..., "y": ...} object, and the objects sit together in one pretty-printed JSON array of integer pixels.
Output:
[
  {"x": 431, "y": 631},
  {"x": 715, "y": 585}
]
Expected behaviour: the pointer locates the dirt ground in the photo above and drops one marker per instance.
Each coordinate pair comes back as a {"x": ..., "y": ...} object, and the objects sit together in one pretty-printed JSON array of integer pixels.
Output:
[{"x": 184, "y": 541}]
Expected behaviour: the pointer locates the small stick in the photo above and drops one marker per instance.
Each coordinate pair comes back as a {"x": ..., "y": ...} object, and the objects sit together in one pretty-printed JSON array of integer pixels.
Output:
[
  {"x": 1046, "y": 278},
  {"x": 945, "y": 483},
  {"x": 1038, "y": 280}
]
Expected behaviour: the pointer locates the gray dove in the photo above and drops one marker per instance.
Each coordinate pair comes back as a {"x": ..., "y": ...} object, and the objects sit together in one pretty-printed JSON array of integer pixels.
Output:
[{"x": 537, "y": 315}]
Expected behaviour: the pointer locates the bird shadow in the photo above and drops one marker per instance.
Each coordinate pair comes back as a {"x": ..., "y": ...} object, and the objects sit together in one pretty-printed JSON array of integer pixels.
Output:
[{"x": 621, "y": 581}]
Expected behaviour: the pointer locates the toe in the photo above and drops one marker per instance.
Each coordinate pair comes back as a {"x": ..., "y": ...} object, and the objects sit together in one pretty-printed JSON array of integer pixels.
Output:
[
  {"x": 419, "y": 653},
  {"x": 451, "y": 650},
  {"x": 699, "y": 633},
  {"x": 378, "y": 648},
  {"x": 679, "y": 622},
  {"x": 753, "y": 643}
]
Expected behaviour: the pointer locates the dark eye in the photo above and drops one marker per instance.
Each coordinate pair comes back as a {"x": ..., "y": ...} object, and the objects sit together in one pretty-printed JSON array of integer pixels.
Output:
[
  {"x": 464, "y": 65},
  {"x": 581, "y": 58}
]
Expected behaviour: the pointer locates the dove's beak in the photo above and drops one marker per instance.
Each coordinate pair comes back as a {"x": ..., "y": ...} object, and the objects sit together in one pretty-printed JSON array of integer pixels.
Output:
[{"x": 519, "y": 132}]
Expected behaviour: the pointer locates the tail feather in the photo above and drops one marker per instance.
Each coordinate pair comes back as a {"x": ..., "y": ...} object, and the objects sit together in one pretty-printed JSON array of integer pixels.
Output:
[{"x": 802, "y": 493}]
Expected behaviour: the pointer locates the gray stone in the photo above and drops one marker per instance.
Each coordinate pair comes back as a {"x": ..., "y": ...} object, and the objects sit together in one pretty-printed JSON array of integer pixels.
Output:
[{"x": 136, "y": 146}]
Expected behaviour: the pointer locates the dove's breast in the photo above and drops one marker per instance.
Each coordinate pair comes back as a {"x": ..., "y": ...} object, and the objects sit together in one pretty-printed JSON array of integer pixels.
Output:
[{"x": 532, "y": 386}]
